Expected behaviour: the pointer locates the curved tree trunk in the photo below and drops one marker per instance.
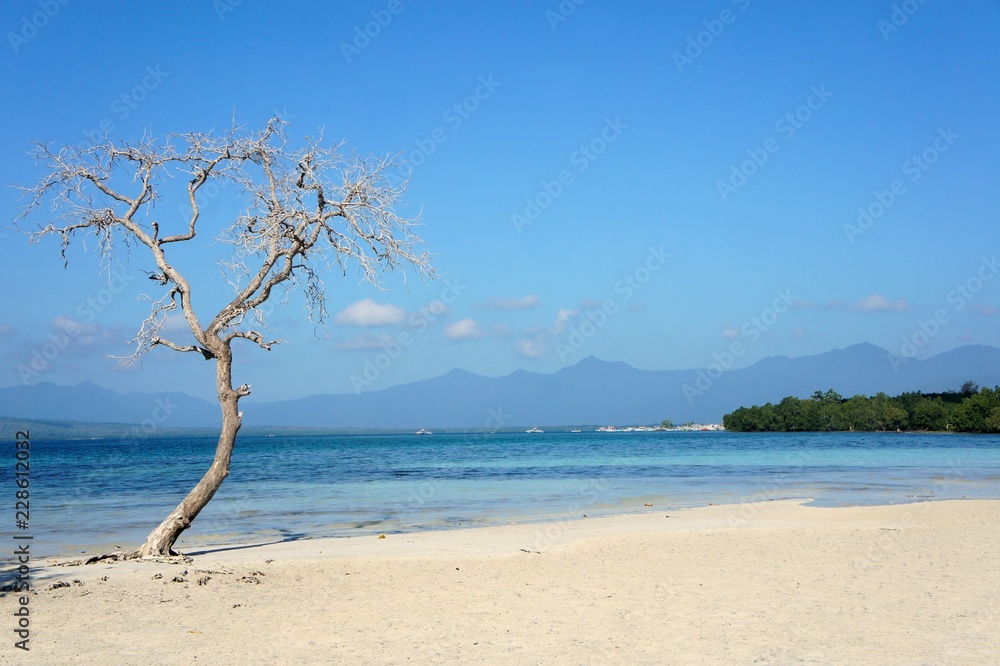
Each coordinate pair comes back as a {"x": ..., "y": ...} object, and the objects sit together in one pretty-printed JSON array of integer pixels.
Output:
[{"x": 161, "y": 540}]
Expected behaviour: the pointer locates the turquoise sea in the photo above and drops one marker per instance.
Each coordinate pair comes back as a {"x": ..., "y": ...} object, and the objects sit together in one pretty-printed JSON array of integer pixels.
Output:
[{"x": 90, "y": 495}]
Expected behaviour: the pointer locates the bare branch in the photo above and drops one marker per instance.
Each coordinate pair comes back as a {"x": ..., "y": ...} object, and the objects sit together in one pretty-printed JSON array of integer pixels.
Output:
[
  {"x": 185, "y": 348},
  {"x": 305, "y": 211},
  {"x": 253, "y": 336}
]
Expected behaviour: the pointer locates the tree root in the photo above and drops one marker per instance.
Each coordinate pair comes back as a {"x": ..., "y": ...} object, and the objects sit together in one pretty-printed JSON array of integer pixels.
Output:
[{"x": 123, "y": 556}]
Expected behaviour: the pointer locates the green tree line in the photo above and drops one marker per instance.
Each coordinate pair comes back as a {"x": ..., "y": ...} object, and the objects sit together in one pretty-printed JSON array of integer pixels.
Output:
[{"x": 969, "y": 409}]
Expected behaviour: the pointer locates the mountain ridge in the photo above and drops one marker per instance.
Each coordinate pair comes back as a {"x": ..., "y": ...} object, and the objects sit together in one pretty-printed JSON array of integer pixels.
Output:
[{"x": 590, "y": 391}]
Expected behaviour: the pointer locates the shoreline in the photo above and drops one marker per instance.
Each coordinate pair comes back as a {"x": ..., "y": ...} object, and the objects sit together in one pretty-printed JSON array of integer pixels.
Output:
[
  {"x": 208, "y": 545},
  {"x": 633, "y": 507},
  {"x": 535, "y": 537},
  {"x": 555, "y": 531},
  {"x": 55, "y": 430},
  {"x": 776, "y": 581}
]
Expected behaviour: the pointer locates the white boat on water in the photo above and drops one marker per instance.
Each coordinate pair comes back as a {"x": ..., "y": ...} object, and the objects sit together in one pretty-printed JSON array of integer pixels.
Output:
[
  {"x": 424, "y": 432},
  {"x": 534, "y": 430}
]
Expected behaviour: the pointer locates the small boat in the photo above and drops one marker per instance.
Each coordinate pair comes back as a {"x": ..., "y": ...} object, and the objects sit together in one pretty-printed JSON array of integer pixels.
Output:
[
  {"x": 576, "y": 430},
  {"x": 424, "y": 432},
  {"x": 534, "y": 430}
]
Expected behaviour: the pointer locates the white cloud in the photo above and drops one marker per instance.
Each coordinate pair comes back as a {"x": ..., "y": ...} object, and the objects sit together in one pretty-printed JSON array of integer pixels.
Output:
[
  {"x": 879, "y": 303},
  {"x": 531, "y": 347},
  {"x": 176, "y": 323},
  {"x": 563, "y": 318},
  {"x": 369, "y": 313},
  {"x": 528, "y": 302},
  {"x": 463, "y": 329},
  {"x": 83, "y": 339},
  {"x": 870, "y": 303}
]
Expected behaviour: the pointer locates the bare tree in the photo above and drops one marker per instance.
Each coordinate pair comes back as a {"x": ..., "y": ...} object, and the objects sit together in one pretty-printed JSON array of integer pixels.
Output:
[{"x": 306, "y": 211}]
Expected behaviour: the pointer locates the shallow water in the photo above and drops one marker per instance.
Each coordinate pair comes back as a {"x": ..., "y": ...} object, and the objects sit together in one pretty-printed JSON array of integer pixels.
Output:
[{"x": 93, "y": 494}]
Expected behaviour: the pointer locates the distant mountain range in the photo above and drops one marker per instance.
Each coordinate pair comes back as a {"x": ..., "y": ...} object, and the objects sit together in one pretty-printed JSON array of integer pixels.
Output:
[{"x": 590, "y": 392}]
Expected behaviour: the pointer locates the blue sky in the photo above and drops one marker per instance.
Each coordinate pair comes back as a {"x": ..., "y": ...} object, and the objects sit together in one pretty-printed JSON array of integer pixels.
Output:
[{"x": 644, "y": 182}]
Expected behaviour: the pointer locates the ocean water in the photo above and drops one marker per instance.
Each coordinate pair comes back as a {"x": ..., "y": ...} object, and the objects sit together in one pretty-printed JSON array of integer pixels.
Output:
[{"x": 91, "y": 495}]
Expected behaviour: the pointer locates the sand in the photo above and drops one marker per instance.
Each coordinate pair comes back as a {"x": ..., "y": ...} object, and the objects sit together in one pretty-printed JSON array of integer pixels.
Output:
[{"x": 768, "y": 583}]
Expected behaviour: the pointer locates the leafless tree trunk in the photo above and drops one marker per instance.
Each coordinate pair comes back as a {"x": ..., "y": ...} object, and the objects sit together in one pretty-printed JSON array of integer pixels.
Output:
[
  {"x": 161, "y": 540},
  {"x": 297, "y": 222}
]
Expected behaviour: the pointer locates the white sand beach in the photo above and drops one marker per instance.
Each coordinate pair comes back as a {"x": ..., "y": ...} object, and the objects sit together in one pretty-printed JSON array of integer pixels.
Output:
[{"x": 768, "y": 583}]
